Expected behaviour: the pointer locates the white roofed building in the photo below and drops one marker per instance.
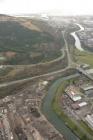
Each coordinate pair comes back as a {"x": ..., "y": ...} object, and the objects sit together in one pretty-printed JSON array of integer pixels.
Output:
[
  {"x": 82, "y": 104},
  {"x": 73, "y": 93},
  {"x": 89, "y": 120}
]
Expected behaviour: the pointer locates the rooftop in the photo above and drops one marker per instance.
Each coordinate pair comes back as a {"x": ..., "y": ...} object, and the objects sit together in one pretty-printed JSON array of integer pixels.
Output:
[{"x": 87, "y": 87}]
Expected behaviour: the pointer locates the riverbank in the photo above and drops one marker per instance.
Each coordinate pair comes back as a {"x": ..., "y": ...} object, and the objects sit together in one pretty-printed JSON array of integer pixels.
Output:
[{"x": 51, "y": 116}]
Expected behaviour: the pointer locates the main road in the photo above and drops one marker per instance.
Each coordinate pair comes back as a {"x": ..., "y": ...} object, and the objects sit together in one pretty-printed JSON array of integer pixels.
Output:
[
  {"x": 70, "y": 62},
  {"x": 47, "y": 74},
  {"x": 71, "y": 135},
  {"x": 67, "y": 50},
  {"x": 33, "y": 78}
]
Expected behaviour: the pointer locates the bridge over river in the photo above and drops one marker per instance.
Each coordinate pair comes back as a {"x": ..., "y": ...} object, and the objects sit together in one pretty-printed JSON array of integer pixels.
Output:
[{"x": 82, "y": 71}]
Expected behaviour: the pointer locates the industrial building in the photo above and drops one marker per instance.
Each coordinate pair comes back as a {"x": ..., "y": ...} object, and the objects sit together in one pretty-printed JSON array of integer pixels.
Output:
[
  {"x": 77, "y": 106},
  {"x": 89, "y": 71},
  {"x": 89, "y": 120},
  {"x": 73, "y": 93},
  {"x": 82, "y": 104},
  {"x": 87, "y": 90},
  {"x": 86, "y": 87}
]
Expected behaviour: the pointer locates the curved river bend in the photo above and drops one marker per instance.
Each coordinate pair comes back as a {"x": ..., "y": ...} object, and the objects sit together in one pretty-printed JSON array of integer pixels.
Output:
[
  {"x": 47, "y": 110},
  {"x": 77, "y": 41}
]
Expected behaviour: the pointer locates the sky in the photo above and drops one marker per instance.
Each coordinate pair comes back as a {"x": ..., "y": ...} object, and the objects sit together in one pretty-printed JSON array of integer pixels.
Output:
[{"x": 64, "y": 7}]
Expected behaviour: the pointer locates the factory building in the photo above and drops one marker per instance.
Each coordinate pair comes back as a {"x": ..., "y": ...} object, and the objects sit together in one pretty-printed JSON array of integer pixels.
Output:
[
  {"x": 82, "y": 104},
  {"x": 76, "y": 98},
  {"x": 89, "y": 120},
  {"x": 89, "y": 71},
  {"x": 87, "y": 90},
  {"x": 73, "y": 93},
  {"x": 77, "y": 106}
]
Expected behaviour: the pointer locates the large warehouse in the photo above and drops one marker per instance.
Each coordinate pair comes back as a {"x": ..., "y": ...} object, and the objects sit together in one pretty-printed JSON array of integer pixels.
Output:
[
  {"x": 89, "y": 120},
  {"x": 87, "y": 90},
  {"x": 73, "y": 93}
]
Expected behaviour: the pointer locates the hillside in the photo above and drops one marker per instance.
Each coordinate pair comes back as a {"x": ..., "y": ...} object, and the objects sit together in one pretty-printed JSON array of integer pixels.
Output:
[{"x": 22, "y": 42}]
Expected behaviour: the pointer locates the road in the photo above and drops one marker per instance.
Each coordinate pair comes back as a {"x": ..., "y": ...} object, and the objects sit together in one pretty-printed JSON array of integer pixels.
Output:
[
  {"x": 85, "y": 73},
  {"x": 70, "y": 63},
  {"x": 47, "y": 74},
  {"x": 32, "y": 78},
  {"x": 42, "y": 63}
]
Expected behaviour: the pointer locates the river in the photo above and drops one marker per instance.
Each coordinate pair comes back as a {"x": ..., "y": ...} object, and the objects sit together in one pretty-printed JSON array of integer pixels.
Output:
[
  {"x": 47, "y": 110},
  {"x": 77, "y": 40}
]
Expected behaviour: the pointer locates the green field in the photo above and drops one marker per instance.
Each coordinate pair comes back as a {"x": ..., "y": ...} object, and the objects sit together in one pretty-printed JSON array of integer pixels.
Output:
[{"x": 83, "y": 57}]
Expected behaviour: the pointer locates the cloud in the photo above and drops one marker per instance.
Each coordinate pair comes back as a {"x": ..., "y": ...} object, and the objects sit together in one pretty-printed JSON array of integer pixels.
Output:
[{"x": 67, "y": 7}]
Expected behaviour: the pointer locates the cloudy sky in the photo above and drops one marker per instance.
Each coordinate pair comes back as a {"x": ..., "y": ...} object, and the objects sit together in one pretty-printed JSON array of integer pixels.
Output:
[{"x": 64, "y": 7}]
